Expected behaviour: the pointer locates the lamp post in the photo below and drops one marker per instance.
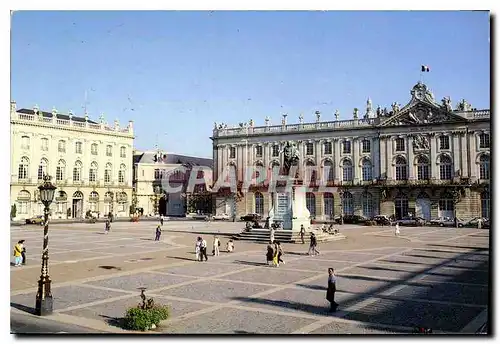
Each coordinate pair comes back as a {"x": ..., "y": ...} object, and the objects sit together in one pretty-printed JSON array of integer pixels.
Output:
[
  {"x": 44, "y": 302},
  {"x": 245, "y": 161},
  {"x": 341, "y": 193}
]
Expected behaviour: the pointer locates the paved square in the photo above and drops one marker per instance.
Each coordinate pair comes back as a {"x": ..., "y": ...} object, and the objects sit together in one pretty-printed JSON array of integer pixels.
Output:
[{"x": 436, "y": 277}]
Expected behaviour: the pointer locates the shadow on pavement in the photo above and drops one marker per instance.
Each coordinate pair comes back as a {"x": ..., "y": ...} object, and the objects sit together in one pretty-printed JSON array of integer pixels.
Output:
[{"x": 23, "y": 308}]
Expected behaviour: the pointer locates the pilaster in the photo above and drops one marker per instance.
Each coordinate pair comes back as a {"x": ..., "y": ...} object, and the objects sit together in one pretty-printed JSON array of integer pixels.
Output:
[
  {"x": 411, "y": 157},
  {"x": 355, "y": 163}
]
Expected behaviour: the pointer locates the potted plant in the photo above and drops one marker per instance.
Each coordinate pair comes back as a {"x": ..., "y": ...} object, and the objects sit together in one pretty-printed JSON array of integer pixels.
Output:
[{"x": 145, "y": 316}]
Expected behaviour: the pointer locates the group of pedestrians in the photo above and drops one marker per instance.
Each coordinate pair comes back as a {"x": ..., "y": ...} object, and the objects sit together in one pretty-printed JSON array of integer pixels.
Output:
[
  {"x": 200, "y": 248},
  {"x": 274, "y": 254}
]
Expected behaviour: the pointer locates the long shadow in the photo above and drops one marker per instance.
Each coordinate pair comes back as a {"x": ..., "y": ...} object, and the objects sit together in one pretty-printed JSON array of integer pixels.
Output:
[
  {"x": 464, "y": 247},
  {"x": 219, "y": 234},
  {"x": 182, "y": 258},
  {"x": 112, "y": 321},
  {"x": 396, "y": 309},
  {"x": 244, "y": 262},
  {"x": 401, "y": 270},
  {"x": 23, "y": 308},
  {"x": 436, "y": 257},
  {"x": 447, "y": 251}
]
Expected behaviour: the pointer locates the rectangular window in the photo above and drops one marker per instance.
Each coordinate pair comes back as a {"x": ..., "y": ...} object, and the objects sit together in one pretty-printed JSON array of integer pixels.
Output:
[
  {"x": 328, "y": 148},
  {"x": 59, "y": 173},
  {"x": 92, "y": 175},
  {"x": 61, "y": 146},
  {"x": 109, "y": 150},
  {"x": 107, "y": 176},
  {"x": 484, "y": 141},
  {"x": 25, "y": 142},
  {"x": 232, "y": 152},
  {"x": 121, "y": 176},
  {"x": 400, "y": 144},
  {"x": 123, "y": 152},
  {"x": 45, "y": 144},
  {"x": 76, "y": 174},
  {"x": 258, "y": 151},
  {"x": 78, "y": 148},
  {"x": 444, "y": 142},
  {"x": 93, "y": 149},
  {"x": 346, "y": 147},
  {"x": 23, "y": 207},
  {"x": 276, "y": 150},
  {"x": 366, "y": 146},
  {"x": 309, "y": 148},
  {"x": 423, "y": 172}
]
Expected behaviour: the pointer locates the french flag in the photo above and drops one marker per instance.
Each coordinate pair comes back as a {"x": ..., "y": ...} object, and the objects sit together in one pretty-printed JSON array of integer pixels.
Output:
[{"x": 426, "y": 68}]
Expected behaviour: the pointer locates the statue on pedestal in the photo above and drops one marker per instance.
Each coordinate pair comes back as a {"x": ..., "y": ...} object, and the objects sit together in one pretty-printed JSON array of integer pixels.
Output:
[{"x": 291, "y": 156}]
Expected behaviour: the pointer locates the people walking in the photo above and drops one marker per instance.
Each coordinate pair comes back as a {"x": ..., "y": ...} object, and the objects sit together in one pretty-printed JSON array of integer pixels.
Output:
[
  {"x": 158, "y": 233},
  {"x": 107, "y": 226},
  {"x": 302, "y": 233},
  {"x": 23, "y": 253},
  {"x": 275, "y": 256},
  {"x": 269, "y": 253},
  {"x": 271, "y": 232},
  {"x": 396, "y": 230},
  {"x": 215, "y": 250},
  {"x": 313, "y": 245},
  {"x": 197, "y": 248},
  {"x": 332, "y": 288},
  {"x": 203, "y": 250},
  {"x": 18, "y": 255},
  {"x": 280, "y": 252},
  {"x": 161, "y": 220}
]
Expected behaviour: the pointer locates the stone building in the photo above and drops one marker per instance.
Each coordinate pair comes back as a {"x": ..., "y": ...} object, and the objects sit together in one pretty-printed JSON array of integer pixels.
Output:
[
  {"x": 89, "y": 162},
  {"x": 425, "y": 159},
  {"x": 152, "y": 169}
]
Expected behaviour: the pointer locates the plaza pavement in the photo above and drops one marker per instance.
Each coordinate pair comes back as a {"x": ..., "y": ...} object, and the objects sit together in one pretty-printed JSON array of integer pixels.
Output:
[{"x": 432, "y": 277}]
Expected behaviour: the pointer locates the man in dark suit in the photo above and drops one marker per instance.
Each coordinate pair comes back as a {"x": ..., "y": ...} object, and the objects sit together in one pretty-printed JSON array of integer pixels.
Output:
[{"x": 332, "y": 288}]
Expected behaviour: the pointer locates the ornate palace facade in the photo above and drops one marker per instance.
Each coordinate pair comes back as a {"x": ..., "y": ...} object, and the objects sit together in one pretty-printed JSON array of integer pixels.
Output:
[
  {"x": 425, "y": 158},
  {"x": 90, "y": 163}
]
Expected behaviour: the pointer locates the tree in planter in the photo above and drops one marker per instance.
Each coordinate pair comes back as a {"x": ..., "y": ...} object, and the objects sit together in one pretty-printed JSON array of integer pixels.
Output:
[
  {"x": 146, "y": 314},
  {"x": 13, "y": 211}
]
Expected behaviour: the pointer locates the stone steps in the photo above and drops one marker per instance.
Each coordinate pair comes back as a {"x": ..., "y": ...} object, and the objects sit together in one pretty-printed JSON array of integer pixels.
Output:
[{"x": 262, "y": 235}]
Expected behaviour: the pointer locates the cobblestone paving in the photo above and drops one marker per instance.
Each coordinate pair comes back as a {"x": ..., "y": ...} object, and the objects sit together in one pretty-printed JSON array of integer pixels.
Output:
[{"x": 435, "y": 277}]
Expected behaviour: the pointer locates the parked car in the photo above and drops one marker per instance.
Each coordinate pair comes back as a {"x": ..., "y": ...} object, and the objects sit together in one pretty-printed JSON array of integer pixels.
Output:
[
  {"x": 411, "y": 221},
  {"x": 221, "y": 217},
  {"x": 37, "y": 220},
  {"x": 473, "y": 222},
  {"x": 382, "y": 220},
  {"x": 251, "y": 217},
  {"x": 449, "y": 222},
  {"x": 350, "y": 219}
]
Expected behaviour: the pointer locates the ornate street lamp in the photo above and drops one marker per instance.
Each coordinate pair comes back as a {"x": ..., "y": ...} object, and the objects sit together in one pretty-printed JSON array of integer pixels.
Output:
[
  {"x": 341, "y": 193},
  {"x": 44, "y": 302}
]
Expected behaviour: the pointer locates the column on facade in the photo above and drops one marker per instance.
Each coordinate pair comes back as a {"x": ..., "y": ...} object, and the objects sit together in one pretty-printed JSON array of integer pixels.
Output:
[
  {"x": 388, "y": 161},
  {"x": 375, "y": 158},
  {"x": 336, "y": 161},
  {"x": 472, "y": 155},
  {"x": 433, "y": 147},
  {"x": 382, "y": 155},
  {"x": 301, "y": 147},
  {"x": 463, "y": 148},
  {"x": 240, "y": 159},
  {"x": 456, "y": 153},
  {"x": 355, "y": 163},
  {"x": 220, "y": 162},
  {"x": 411, "y": 158},
  {"x": 318, "y": 151},
  {"x": 266, "y": 154}
]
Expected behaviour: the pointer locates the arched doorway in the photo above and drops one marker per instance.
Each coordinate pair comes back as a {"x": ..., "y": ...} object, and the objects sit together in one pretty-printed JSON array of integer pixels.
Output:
[
  {"x": 423, "y": 206},
  {"x": 162, "y": 205},
  {"x": 311, "y": 203},
  {"x": 259, "y": 203},
  {"x": 446, "y": 206},
  {"x": 108, "y": 203},
  {"x": 62, "y": 204},
  {"x": 77, "y": 209},
  {"x": 348, "y": 203},
  {"x": 401, "y": 206},
  {"x": 485, "y": 204}
]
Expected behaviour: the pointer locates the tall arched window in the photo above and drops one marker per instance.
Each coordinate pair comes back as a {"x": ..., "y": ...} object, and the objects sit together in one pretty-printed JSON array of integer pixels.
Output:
[
  {"x": 259, "y": 203},
  {"x": 61, "y": 170},
  {"x": 446, "y": 206},
  {"x": 42, "y": 168},
  {"x": 122, "y": 199},
  {"x": 275, "y": 168},
  {"x": 107, "y": 173},
  {"x": 423, "y": 168},
  {"x": 401, "y": 208},
  {"x": 328, "y": 171},
  {"x": 123, "y": 152},
  {"x": 23, "y": 168},
  {"x": 121, "y": 174},
  {"x": 485, "y": 204},
  {"x": 484, "y": 167},
  {"x": 23, "y": 202},
  {"x": 445, "y": 167},
  {"x": 93, "y": 172},
  {"x": 94, "y": 201},
  {"x": 367, "y": 205},
  {"x": 310, "y": 174},
  {"x": 259, "y": 168},
  {"x": 93, "y": 149},
  {"x": 401, "y": 168},
  {"x": 347, "y": 175},
  {"x": 366, "y": 170},
  {"x": 311, "y": 203},
  {"x": 348, "y": 203},
  {"x": 77, "y": 171},
  {"x": 328, "y": 205}
]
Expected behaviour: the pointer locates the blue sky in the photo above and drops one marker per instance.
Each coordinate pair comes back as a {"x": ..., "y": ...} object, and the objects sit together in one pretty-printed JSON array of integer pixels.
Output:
[{"x": 181, "y": 71}]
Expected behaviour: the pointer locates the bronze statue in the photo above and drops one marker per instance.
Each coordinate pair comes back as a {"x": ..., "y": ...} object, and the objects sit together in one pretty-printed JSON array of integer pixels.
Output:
[{"x": 291, "y": 156}]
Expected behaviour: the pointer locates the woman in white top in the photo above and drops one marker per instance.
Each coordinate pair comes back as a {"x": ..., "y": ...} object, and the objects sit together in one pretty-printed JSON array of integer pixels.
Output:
[
  {"x": 396, "y": 231},
  {"x": 230, "y": 246},
  {"x": 216, "y": 246},
  {"x": 197, "y": 249}
]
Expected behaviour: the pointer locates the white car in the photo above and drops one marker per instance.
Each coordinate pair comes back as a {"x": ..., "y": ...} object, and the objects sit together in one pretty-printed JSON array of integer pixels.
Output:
[{"x": 221, "y": 217}]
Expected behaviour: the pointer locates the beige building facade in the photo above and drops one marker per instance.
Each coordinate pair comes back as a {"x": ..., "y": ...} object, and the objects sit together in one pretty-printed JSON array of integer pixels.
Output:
[
  {"x": 426, "y": 159},
  {"x": 90, "y": 164}
]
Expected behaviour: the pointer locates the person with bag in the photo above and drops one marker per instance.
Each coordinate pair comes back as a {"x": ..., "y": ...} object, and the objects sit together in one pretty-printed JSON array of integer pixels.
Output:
[
  {"x": 332, "y": 288},
  {"x": 280, "y": 253},
  {"x": 203, "y": 250},
  {"x": 18, "y": 249},
  {"x": 276, "y": 263},
  {"x": 158, "y": 233},
  {"x": 269, "y": 253}
]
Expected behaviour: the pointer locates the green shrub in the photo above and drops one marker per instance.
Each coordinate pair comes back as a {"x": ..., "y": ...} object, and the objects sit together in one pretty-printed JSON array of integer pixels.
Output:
[
  {"x": 140, "y": 319},
  {"x": 13, "y": 211}
]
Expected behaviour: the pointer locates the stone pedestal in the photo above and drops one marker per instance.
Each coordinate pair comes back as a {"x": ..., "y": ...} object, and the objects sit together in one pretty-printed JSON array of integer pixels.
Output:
[{"x": 290, "y": 208}]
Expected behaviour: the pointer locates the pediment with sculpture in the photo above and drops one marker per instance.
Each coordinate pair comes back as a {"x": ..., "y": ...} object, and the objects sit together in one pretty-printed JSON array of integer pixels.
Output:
[{"x": 422, "y": 109}]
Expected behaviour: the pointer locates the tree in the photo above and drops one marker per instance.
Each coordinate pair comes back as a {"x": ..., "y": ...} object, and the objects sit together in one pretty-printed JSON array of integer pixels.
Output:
[{"x": 13, "y": 211}]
